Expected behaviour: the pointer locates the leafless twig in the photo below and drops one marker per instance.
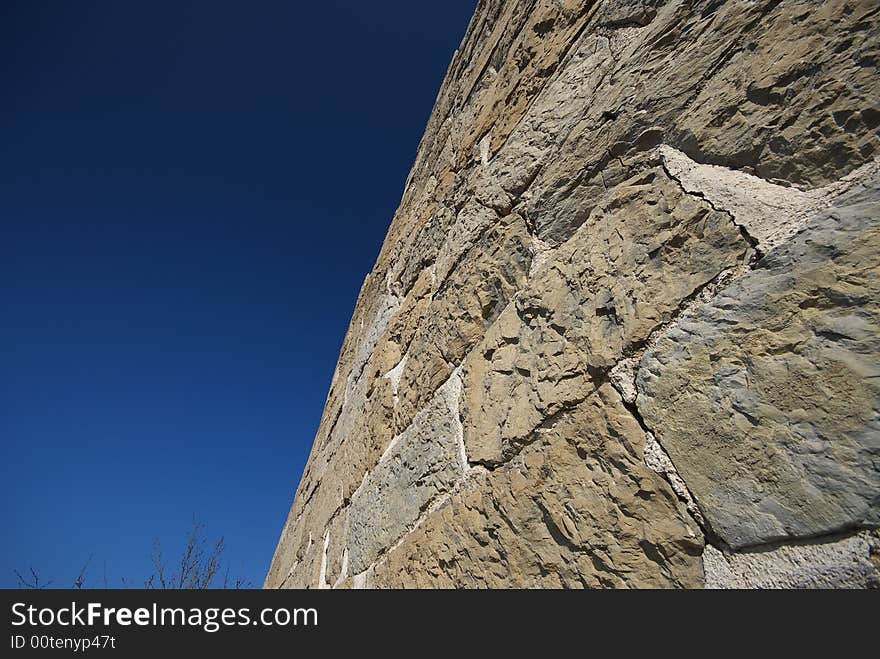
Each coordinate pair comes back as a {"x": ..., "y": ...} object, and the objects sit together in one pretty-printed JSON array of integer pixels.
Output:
[
  {"x": 200, "y": 563},
  {"x": 33, "y": 583},
  {"x": 81, "y": 578}
]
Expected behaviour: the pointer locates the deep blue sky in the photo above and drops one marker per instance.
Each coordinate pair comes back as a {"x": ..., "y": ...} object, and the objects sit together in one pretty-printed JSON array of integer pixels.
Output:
[{"x": 191, "y": 194}]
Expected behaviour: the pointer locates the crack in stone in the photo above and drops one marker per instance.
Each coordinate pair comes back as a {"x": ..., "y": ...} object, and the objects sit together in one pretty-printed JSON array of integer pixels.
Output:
[
  {"x": 751, "y": 240},
  {"x": 767, "y": 214},
  {"x": 657, "y": 460}
]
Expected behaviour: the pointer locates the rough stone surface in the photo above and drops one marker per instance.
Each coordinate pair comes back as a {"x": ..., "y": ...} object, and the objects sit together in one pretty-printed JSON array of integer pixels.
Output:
[
  {"x": 577, "y": 508},
  {"x": 421, "y": 464},
  {"x": 767, "y": 398},
  {"x": 598, "y": 297},
  {"x": 627, "y": 307},
  {"x": 844, "y": 563}
]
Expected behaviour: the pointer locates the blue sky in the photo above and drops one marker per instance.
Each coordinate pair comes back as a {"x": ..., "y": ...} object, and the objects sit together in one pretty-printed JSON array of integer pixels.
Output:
[{"x": 191, "y": 194}]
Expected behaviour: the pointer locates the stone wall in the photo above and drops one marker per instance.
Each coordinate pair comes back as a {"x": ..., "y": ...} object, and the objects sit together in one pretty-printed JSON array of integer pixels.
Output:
[{"x": 624, "y": 330}]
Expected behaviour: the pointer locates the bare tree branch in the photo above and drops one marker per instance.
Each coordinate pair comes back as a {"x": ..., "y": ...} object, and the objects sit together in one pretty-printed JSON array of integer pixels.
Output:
[
  {"x": 81, "y": 578},
  {"x": 34, "y": 583},
  {"x": 200, "y": 563}
]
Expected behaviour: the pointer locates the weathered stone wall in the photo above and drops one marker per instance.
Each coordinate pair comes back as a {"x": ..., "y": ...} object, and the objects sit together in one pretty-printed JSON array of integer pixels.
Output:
[{"x": 624, "y": 330}]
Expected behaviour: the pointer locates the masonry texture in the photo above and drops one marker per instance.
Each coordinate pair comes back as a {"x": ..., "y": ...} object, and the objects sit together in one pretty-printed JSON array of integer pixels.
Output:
[{"x": 624, "y": 330}]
